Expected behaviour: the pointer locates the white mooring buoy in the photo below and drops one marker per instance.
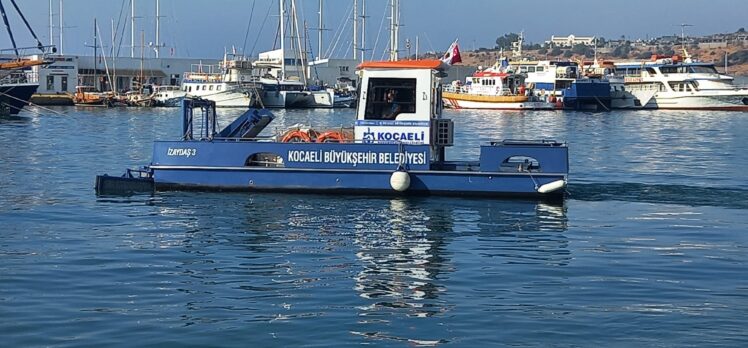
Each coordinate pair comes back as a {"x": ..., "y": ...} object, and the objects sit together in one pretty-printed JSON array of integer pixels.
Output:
[
  {"x": 400, "y": 180},
  {"x": 552, "y": 186}
]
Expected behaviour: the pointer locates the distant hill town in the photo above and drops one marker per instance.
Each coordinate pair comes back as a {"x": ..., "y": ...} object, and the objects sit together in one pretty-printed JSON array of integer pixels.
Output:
[{"x": 715, "y": 48}]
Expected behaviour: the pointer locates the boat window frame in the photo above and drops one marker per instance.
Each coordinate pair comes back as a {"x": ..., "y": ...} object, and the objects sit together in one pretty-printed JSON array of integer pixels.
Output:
[
  {"x": 265, "y": 160},
  {"x": 377, "y": 107}
]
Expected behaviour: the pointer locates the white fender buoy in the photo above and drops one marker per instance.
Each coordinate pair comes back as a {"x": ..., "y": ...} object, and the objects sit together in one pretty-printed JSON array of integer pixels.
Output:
[
  {"x": 552, "y": 186},
  {"x": 400, "y": 180}
]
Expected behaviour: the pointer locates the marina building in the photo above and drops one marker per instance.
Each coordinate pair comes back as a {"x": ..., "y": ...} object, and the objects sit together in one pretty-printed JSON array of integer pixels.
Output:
[{"x": 570, "y": 41}]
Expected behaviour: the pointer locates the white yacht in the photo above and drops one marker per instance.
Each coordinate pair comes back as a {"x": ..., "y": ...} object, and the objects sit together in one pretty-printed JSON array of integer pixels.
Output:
[
  {"x": 675, "y": 82},
  {"x": 229, "y": 84}
]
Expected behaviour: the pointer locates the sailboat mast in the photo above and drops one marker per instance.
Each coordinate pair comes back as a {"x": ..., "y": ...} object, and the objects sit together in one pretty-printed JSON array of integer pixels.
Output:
[
  {"x": 282, "y": 40},
  {"x": 158, "y": 28},
  {"x": 96, "y": 77},
  {"x": 319, "y": 33},
  {"x": 363, "y": 29},
  {"x": 394, "y": 24},
  {"x": 142, "y": 44},
  {"x": 61, "y": 27},
  {"x": 355, "y": 29},
  {"x": 51, "y": 25},
  {"x": 114, "y": 61},
  {"x": 299, "y": 54},
  {"x": 132, "y": 28}
]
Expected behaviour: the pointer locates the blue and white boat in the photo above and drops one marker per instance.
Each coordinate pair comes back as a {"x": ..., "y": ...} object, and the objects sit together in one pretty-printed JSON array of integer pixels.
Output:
[
  {"x": 398, "y": 146},
  {"x": 563, "y": 81}
]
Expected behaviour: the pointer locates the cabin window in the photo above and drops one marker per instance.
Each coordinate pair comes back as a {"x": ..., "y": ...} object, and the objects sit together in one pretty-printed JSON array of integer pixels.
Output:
[
  {"x": 184, "y": 88},
  {"x": 531, "y": 69},
  {"x": 265, "y": 160},
  {"x": 204, "y": 87},
  {"x": 218, "y": 88},
  {"x": 520, "y": 164},
  {"x": 540, "y": 69},
  {"x": 50, "y": 83},
  {"x": 64, "y": 83},
  {"x": 210, "y": 88},
  {"x": 388, "y": 97},
  {"x": 703, "y": 70},
  {"x": 651, "y": 71},
  {"x": 190, "y": 88}
]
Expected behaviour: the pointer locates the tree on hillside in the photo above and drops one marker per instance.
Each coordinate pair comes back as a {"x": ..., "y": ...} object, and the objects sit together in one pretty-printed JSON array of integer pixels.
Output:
[
  {"x": 622, "y": 51},
  {"x": 505, "y": 41},
  {"x": 556, "y": 51},
  {"x": 741, "y": 30},
  {"x": 580, "y": 49}
]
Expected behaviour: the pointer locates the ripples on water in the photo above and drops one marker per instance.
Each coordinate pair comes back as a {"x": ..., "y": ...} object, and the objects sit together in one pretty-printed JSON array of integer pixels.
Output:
[{"x": 650, "y": 248}]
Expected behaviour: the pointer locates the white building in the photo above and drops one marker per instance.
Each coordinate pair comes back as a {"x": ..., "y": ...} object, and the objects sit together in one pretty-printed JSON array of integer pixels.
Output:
[
  {"x": 570, "y": 41},
  {"x": 69, "y": 71}
]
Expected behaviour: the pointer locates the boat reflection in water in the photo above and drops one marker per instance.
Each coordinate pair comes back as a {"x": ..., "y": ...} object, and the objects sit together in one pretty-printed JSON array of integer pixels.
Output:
[
  {"x": 410, "y": 250},
  {"x": 413, "y": 270}
]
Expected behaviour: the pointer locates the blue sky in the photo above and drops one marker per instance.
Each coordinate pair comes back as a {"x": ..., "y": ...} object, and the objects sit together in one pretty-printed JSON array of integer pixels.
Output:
[{"x": 203, "y": 28}]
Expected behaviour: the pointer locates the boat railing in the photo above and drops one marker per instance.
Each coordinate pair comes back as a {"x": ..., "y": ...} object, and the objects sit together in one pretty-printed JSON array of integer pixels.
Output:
[{"x": 275, "y": 138}]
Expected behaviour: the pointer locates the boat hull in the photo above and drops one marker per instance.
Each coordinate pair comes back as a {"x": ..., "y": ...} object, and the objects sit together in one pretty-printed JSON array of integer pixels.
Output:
[
  {"x": 455, "y": 183},
  {"x": 588, "y": 94},
  {"x": 469, "y": 104},
  {"x": 353, "y": 168},
  {"x": 228, "y": 99},
  {"x": 15, "y": 96},
  {"x": 698, "y": 102},
  {"x": 286, "y": 99}
]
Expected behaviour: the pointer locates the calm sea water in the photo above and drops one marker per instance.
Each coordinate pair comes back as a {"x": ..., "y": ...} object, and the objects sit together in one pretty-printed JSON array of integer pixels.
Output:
[{"x": 650, "y": 249}]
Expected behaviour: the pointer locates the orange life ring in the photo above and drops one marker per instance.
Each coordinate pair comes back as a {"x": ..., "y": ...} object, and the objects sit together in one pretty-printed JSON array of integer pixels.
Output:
[
  {"x": 298, "y": 136},
  {"x": 332, "y": 137}
]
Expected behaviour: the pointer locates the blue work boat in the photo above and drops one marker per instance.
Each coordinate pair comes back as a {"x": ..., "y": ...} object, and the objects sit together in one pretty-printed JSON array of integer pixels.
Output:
[{"x": 398, "y": 146}]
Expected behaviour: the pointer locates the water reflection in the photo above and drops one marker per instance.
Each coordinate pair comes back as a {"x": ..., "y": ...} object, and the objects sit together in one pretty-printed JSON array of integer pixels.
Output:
[
  {"x": 407, "y": 258},
  {"x": 271, "y": 258}
]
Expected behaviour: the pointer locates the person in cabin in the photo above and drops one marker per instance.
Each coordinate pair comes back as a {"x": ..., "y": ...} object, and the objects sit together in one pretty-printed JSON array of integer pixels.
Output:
[{"x": 395, "y": 108}]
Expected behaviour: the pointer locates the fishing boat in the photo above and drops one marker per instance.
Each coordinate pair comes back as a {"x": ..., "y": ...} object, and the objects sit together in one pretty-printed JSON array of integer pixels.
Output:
[
  {"x": 396, "y": 147},
  {"x": 89, "y": 96},
  {"x": 169, "y": 96},
  {"x": 496, "y": 87},
  {"x": 675, "y": 82}
]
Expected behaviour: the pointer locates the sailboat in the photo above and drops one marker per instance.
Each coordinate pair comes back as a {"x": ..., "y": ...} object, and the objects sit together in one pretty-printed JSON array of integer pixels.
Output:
[
  {"x": 16, "y": 85},
  {"x": 280, "y": 87}
]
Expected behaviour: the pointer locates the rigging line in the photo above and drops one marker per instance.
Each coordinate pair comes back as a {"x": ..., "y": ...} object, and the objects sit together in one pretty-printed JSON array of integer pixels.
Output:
[
  {"x": 38, "y": 43},
  {"x": 249, "y": 23},
  {"x": 339, "y": 33},
  {"x": 381, "y": 24},
  {"x": 429, "y": 40},
  {"x": 262, "y": 26},
  {"x": 116, "y": 31},
  {"x": 7, "y": 25},
  {"x": 32, "y": 104}
]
